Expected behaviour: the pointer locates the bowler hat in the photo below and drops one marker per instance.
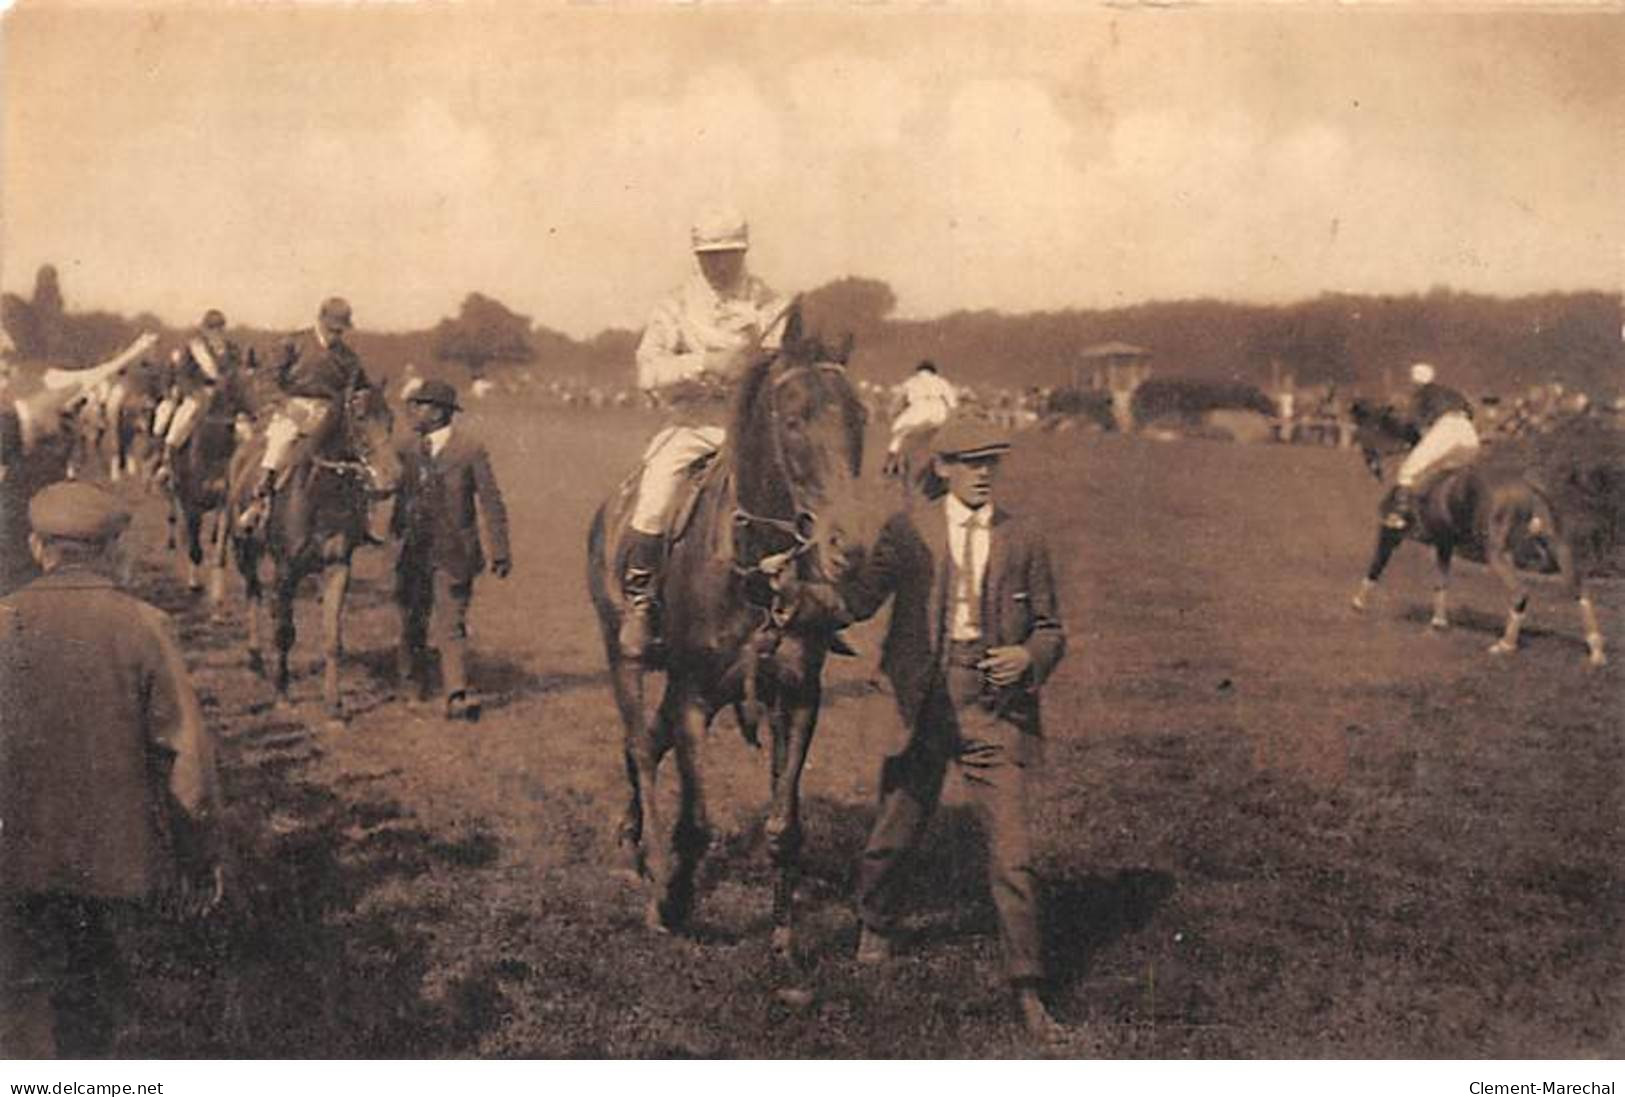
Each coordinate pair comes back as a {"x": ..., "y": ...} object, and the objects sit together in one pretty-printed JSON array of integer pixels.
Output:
[
  {"x": 77, "y": 511},
  {"x": 963, "y": 438},
  {"x": 435, "y": 392}
]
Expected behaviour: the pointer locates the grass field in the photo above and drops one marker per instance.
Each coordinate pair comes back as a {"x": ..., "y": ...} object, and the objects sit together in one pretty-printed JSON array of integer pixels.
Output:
[{"x": 1270, "y": 827}]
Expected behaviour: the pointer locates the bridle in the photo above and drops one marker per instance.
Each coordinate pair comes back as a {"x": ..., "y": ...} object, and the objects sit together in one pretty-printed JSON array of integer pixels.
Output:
[
  {"x": 799, "y": 529},
  {"x": 359, "y": 465}
]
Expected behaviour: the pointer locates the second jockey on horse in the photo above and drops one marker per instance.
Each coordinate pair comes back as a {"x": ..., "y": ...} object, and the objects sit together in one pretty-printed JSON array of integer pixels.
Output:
[
  {"x": 208, "y": 366},
  {"x": 1448, "y": 439},
  {"x": 699, "y": 339},
  {"x": 316, "y": 370}
]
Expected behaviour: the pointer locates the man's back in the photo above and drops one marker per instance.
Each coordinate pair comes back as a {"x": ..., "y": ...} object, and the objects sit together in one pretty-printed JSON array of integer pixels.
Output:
[{"x": 94, "y": 712}]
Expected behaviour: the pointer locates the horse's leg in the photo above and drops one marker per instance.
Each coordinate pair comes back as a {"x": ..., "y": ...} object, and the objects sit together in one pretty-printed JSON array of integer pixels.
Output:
[
  {"x": 216, "y": 564},
  {"x": 626, "y": 683},
  {"x": 647, "y": 743},
  {"x": 1499, "y": 556},
  {"x": 282, "y": 606},
  {"x": 1442, "y": 552},
  {"x": 336, "y": 584},
  {"x": 248, "y": 566},
  {"x": 691, "y": 835},
  {"x": 1387, "y": 541},
  {"x": 1568, "y": 568},
  {"x": 194, "y": 548},
  {"x": 793, "y": 725}
]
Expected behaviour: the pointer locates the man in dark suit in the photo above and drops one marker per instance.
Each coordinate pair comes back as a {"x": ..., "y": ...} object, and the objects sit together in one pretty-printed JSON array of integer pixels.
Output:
[
  {"x": 975, "y": 630},
  {"x": 107, "y": 778},
  {"x": 446, "y": 484}
]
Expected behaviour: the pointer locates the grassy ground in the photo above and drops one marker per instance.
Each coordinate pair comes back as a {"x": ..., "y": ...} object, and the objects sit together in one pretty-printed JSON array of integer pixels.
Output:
[{"x": 1270, "y": 827}]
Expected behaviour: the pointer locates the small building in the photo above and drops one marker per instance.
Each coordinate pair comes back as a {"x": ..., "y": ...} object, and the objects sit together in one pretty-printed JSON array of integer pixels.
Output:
[{"x": 1119, "y": 368}]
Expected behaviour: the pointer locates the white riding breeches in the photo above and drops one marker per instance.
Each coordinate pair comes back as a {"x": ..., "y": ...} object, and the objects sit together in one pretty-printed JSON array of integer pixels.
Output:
[
  {"x": 926, "y": 415},
  {"x": 184, "y": 419},
  {"x": 161, "y": 416},
  {"x": 299, "y": 417},
  {"x": 1451, "y": 439},
  {"x": 665, "y": 462}
]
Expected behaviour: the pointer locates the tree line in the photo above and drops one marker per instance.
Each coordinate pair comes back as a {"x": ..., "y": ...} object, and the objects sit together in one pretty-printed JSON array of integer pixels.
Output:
[{"x": 1358, "y": 342}]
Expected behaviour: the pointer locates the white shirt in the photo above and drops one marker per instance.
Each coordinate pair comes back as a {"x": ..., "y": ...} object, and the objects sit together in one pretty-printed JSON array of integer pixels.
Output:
[
  {"x": 696, "y": 320},
  {"x": 438, "y": 439},
  {"x": 962, "y": 621},
  {"x": 923, "y": 386}
]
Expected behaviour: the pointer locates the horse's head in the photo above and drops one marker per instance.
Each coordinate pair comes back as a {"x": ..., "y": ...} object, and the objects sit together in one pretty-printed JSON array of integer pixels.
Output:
[
  {"x": 798, "y": 445},
  {"x": 367, "y": 430}
]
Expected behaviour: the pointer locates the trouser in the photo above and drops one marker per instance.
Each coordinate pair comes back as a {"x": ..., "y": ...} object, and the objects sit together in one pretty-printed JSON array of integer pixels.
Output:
[
  {"x": 995, "y": 758},
  {"x": 665, "y": 463},
  {"x": 162, "y": 415},
  {"x": 298, "y": 418},
  {"x": 181, "y": 424},
  {"x": 1451, "y": 439},
  {"x": 62, "y": 981},
  {"x": 926, "y": 415},
  {"x": 434, "y": 611}
]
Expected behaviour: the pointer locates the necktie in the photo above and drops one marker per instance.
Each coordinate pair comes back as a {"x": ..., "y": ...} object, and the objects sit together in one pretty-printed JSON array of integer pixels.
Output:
[{"x": 967, "y": 578}]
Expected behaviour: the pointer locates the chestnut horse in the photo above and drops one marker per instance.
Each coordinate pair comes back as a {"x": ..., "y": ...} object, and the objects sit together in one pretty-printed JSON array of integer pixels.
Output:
[
  {"x": 1495, "y": 516},
  {"x": 783, "y": 491}
]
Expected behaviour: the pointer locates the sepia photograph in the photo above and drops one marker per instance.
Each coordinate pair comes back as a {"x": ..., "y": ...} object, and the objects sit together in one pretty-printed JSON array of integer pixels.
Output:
[{"x": 816, "y": 531}]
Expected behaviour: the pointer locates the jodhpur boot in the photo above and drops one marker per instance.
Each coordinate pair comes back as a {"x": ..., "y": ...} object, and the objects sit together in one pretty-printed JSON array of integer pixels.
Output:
[{"x": 638, "y": 587}]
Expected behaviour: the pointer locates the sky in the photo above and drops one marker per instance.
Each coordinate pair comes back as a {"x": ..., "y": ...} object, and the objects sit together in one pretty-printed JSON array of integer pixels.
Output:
[{"x": 257, "y": 158}]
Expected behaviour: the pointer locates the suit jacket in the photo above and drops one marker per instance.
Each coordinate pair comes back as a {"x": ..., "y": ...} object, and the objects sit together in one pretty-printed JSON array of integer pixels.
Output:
[
  {"x": 103, "y": 753},
  {"x": 912, "y": 563},
  {"x": 436, "y": 515},
  {"x": 307, "y": 368}
]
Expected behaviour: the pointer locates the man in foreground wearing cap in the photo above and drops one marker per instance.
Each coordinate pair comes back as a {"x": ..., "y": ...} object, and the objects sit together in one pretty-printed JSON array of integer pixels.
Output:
[
  {"x": 107, "y": 778},
  {"x": 698, "y": 340},
  {"x": 317, "y": 369},
  {"x": 209, "y": 365},
  {"x": 928, "y": 401},
  {"x": 1449, "y": 439},
  {"x": 975, "y": 630},
  {"x": 446, "y": 484}
]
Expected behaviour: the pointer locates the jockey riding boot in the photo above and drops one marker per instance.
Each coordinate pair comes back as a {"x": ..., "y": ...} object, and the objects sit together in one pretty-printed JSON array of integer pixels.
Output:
[
  {"x": 1401, "y": 508},
  {"x": 638, "y": 585},
  {"x": 259, "y": 506}
]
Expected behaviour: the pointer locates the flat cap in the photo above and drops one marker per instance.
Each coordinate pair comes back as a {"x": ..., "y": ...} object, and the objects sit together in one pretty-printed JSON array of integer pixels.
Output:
[
  {"x": 77, "y": 511},
  {"x": 213, "y": 319},
  {"x": 336, "y": 311},
  {"x": 962, "y": 438},
  {"x": 435, "y": 392},
  {"x": 720, "y": 228}
]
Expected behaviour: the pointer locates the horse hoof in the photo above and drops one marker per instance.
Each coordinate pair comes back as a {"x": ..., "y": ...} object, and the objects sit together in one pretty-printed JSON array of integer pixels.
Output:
[
  {"x": 1439, "y": 623},
  {"x": 1501, "y": 647},
  {"x": 784, "y": 942},
  {"x": 1357, "y": 604},
  {"x": 256, "y": 663},
  {"x": 1597, "y": 659}
]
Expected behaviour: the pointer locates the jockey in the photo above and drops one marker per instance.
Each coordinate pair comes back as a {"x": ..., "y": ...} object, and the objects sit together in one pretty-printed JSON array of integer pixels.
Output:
[
  {"x": 317, "y": 368},
  {"x": 209, "y": 363},
  {"x": 1445, "y": 419},
  {"x": 699, "y": 338},
  {"x": 928, "y": 400}
]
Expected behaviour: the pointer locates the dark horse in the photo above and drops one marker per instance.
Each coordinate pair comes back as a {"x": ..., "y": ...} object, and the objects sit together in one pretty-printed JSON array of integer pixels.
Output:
[
  {"x": 784, "y": 490},
  {"x": 317, "y": 520},
  {"x": 1491, "y": 515},
  {"x": 197, "y": 487}
]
